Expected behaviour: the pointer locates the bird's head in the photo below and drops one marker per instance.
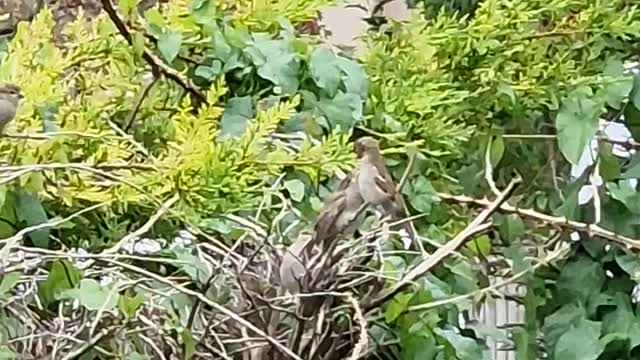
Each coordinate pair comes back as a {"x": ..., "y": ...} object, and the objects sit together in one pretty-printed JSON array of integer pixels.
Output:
[
  {"x": 11, "y": 93},
  {"x": 364, "y": 145}
]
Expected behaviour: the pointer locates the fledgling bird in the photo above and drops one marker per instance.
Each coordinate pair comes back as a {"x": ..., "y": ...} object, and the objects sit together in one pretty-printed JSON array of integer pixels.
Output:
[
  {"x": 341, "y": 213},
  {"x": 10, "y": 95},
  {"x": 376, "y": 184}
]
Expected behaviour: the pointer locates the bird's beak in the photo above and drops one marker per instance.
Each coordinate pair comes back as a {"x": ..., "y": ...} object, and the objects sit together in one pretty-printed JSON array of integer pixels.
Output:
[{"x": 20, "y": 96}]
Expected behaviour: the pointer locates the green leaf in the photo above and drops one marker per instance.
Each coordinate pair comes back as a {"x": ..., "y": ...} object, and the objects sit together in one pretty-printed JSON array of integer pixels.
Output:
[
  {"x": 626, "y": 193},
  {"x": 169, "y": 43},
  {"x": 397, "y": 306},
  {"x": 580, "y": 342},
  {"x": 560, "y": 321},
  {"x": 634, "y": 97},
  {"x": 344, "y": 110},
  {"x": 577, "y": 123},
  {"x": 418, "y": 347},
  {"x": 62, "y": 276},
  {"x": 128, "y": 305},
  {"x": 276, "y": 61},
  {"x": 8, "y": 282},
  {"x": 203, "y": 11},
  {"x": 480, "y": 245},
  {"x": 630, "y": 264},
  {"x": 496, "y": 151},
  {"x": 609, "y": 166},
  {"x": 421, "y": 194},
  {"x": 632, "y": 120},
  {"x": 94, "y": 297},
  {"x": 617, "y": 88},
  {"x": 517, "y": 254},
  {"x": 189, "y": 344},
  {"x": 48, "y": 112},
  {"x": 295, "y": 188},
  {"x": 137, "y": 356},
  {"x": 354, "y": 78},
  {"x": 574, "y": 276},
  {"x": 622, "y": 320},
  {"x": 30, "y": 211},
  {"x": 238, "y": 111},
  {"x": 209, "y": 72},
  {"x": 325, "y": 71},
  {"x": 465, "y": 348},
  {"x": 510, "y": 227}
]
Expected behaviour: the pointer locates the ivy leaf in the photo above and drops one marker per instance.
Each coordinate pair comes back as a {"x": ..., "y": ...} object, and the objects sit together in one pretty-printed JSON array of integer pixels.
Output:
[
  {"x": 128, "y": 304},
  {"x": 203, "y": 11},
  {"x": 510, "y": 227},
  {"x": 238, "y": 111},
  {"x": 421, "y": 194},
  {"x": 8, "y": 282},
  {"x": 634, "y": 97},
  {"x": 344, "y": 110},
  {"x": 189, "y": 344},
  {"x": 517, "y": 254},
  {"x": 630, "y": 264},
  {"x": 618, "y": 87},
  {"x": 209, "y": 72},
  {"x": 496, "y": 151},
  {"x": 325, "y": 71},
  {"x": 626, "y": 193},
  {"x": 580, "y": 342},
  {"x": 609, "y": 166},
  {"x": 622, "y": 320},
  {"x": 94, "y": 297},
  {"x": 30, "y": 211},
  {"x": 418, "y": 347},
  {"x": 169, "y": 42},
  {"x": 632, "y": 120},
  {"x": 354, "y": 78},
  {"x": 559, "y": 323},
  {"x": 465, "y": 348},
  {"x": 577, "y": 123},
  {"x": 572, "y": 280},
  {"x": 276, "y": 62},
  {"x": 295, "y": 188}
]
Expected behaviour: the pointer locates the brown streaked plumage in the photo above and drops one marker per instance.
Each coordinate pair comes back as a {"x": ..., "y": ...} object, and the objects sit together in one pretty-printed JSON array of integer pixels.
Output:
[{"x": 10, "y": 95}]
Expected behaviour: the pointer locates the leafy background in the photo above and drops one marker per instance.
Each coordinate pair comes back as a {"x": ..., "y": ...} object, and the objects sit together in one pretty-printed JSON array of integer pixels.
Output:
[{"x": 472, "y": 91}]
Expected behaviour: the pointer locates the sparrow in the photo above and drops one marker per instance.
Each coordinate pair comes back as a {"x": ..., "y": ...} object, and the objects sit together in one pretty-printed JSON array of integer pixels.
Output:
[
  {"x": 376, "y": 184},
  {"x": 10, "y": 95},
  {"x": 293, "y": 266},
  {"x": 340, "y": 214}
]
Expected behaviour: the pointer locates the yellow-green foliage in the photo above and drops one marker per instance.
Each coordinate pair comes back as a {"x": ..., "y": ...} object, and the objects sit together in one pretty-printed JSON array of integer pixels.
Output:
[
  {"x": 440, "y": 77},
  {"x": 260, "y": 14},
  {"x": 95, "y": 83}
]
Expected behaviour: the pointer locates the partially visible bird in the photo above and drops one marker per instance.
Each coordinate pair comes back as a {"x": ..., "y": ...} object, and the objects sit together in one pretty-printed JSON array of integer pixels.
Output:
[
  {"x": 10, "y": 95},
  {"x": 341, "y": 213},
  {"x": 376, "y": 184},
  {"x": 293, "y": 267}
]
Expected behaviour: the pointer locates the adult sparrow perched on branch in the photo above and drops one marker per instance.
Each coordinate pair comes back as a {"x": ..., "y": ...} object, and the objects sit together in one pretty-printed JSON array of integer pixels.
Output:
[
  {"x": 375, "y": 183},
  {"x": 9, "y": 97}
]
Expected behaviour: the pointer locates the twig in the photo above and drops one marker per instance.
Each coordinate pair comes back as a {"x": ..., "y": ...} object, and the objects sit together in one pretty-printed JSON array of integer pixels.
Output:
[
  {"x": 209, "y": 302},
  {"x": 476, "y": 226},
  {"x": 134, "y": 111},
  {"x": 80, "y": 350},
  {"x": 364, "y": 336},
  {"x": 156, "y": 64},
  {"x": 146, "y": 227},
  {"x": 629, "y": 143},
  {"x": 590, "y": 229}
]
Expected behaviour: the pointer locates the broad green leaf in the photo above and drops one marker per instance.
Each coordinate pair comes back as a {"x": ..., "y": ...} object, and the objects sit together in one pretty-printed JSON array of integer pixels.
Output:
[
  {"x": 93, "y": 296},
  {"x": 617, "y": 87},
  {"x": 396, "y": 306},
  {"x": 354, "y": 78},
  {"x": 48, "y": 112},
  {"x": 609, "y": 166},
  {"x": 238, "y": 111},
  {"x": 632, "y": 120},
  {"x": 209, "y": 72},
  {"x": 276, "y": 61},
  {"x": 580, "y": 342},
  {"x": 480, "y": 245},
  {"x": 325, "y": 71},
  {"x": 30, "y": 211},
  {"x": 517, "y": 254},
  {"x": 630, "y": 263},
  {"x": 572, "y": 280},
  {"x": 560, "y": 322},
  {"x": 8, "y": 282},
  {"x": 465, "y": 348},
  {"x": 203, "y": 11},
  {"x": 511, "y": 227},
  {"x": 523, "y": 344},
  {"x": 507, "y": 89},
  {"x": 418, "y": 347},
  {"x": 295, "y": 188},
  {"x": 622, "y": 320},
  {"x": 344, "y": 110},
  {"x": 626, "y": 193},
  {"x": 577, "y": 123},
  {"x": 169, "y": 43},
  {"x": 6, "y": 353},
  {"x": 421, "y": 194},
  {"x": 193, "y": 265},
  {"x": 62, "y": 276},
  {"x": 137, "y": 356},
  {"x": 569, "y": 207},
  {"x": 128, "y": 8},
  {"x": 634, "y": 97},
  {"x": 632, "y": 169}
]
